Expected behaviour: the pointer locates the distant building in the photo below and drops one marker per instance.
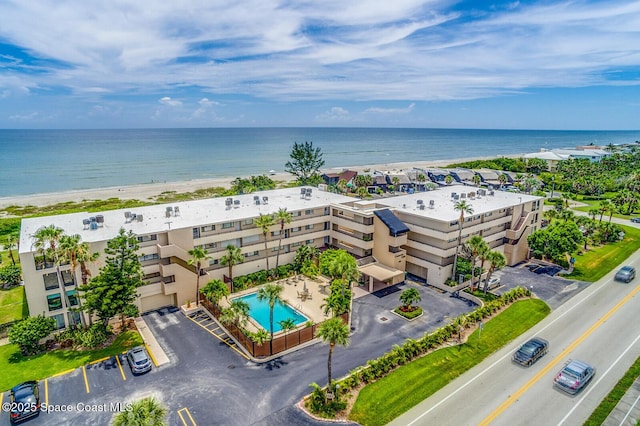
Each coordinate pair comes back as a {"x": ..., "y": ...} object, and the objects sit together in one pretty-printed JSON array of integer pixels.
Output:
[
  {"x": 333, "y": 178},
  {"x": 554, "y": 156}
]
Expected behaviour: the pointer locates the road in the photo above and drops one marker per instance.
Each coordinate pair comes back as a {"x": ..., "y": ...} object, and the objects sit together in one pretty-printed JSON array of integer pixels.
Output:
[{"x": 599, "y": 325}]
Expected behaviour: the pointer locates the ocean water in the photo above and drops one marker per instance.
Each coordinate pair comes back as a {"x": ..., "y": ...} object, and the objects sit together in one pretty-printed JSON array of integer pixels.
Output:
[{"x": 42, "y": 161}]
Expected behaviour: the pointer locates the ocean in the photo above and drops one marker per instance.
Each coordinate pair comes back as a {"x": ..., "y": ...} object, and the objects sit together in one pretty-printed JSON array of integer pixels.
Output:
[{"x": 44, "y": 161}]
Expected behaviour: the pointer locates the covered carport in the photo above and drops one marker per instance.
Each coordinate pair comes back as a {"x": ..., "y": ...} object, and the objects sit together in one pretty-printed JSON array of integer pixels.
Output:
[{"x": 377, "y": 276}]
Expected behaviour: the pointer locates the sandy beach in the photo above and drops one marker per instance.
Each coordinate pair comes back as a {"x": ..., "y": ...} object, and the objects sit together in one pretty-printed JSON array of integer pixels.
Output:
[{"x": 145, "y": 192}]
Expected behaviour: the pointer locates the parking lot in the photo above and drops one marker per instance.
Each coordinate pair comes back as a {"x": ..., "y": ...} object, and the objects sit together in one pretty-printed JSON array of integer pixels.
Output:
[{"x": 208, "y": 382}]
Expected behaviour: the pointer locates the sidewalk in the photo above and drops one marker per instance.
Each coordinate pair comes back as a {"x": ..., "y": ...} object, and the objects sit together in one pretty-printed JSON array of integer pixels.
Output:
[
  {"x": 157, "y": 353},
  {"x": 627, "y": 412}
]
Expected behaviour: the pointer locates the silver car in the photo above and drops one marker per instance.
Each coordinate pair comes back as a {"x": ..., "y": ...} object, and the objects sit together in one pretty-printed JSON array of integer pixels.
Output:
[
  {"x": 574, "y": 376},
  {"x": 626, "y": 274},
  {"x": 139, "y": 360}
]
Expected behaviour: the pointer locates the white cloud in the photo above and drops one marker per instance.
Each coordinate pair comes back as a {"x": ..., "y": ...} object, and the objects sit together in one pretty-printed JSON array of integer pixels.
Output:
[
  {"x": 377, "y": 110},
  {"x": 170, "y": 102},
  {"x": 24, "y": 117},
  {"x": 334, "y": 114}
]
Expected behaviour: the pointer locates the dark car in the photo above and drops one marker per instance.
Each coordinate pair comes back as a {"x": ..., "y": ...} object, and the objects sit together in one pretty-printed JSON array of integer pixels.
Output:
[
  {"x": 626, "y": 274},
  {"x": 25, "y": 401},
  {"x": 635, "y": 219},
  {"x": 574, "y": 376},
  {"x": 139, "y": 360},
  {"x": 531, "y": 351}
]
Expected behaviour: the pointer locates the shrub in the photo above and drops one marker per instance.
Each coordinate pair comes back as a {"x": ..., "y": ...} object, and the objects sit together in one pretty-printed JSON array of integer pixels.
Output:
[
  {"x": 416, "y": 312},
  {"x": 10, "y": 275},
  {"x": 93, "y": 336},
  {"x": 28, "y": 333}
]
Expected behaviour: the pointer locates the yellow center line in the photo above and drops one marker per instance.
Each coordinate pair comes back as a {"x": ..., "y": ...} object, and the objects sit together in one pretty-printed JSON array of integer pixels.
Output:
[
  {"x": 509, "y": 401},
  {"x": 86, "y": 382},
  {"x": 120, "y": 367}
]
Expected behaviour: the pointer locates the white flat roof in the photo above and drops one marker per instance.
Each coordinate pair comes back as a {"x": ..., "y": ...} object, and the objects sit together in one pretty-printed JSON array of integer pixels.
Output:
[
  {"x": 192, "y": 214},
  {"x": 443, "y": 203}
]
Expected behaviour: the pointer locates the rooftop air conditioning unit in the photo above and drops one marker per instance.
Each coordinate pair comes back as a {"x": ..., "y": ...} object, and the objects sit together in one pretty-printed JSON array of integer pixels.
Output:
[
  {"x": 491, "y": 193},
  {"x": 432, "y": 204},
  {"x": 176, "y": 211},
  {"x": 100, "y": 220},
  {"x": 228, "y": 202},
  {"x": 420, "y": 202},
  {"x": 453, "y": 195},
  {"x": 265, "y": 199},
  {"x": 236, "y": 203},
  {"x": 139, "y": 218},
  {"x": 85, "y": 223},
  {"x": 463, "y": 195},
  {"x": 421, "y": 206}
]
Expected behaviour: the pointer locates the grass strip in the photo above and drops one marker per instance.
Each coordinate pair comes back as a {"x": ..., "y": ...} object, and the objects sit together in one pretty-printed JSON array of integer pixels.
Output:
[
  {"x": 597, "y": 262},
  {"x": 17, "y": 368},
  {"x": 382, "y": 401},
  {"x": 607, "y": 405}
]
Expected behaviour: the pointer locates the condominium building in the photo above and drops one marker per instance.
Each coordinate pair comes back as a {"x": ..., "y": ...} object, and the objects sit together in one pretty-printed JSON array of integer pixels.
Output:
[{"x": 414, "y": 233}]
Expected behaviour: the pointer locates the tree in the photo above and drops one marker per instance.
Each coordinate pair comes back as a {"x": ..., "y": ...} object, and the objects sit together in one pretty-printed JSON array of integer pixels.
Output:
[
  {"x": 476, "y": 179},
  {"x": 305, "y": 255},
  {"x": 198, "y": 254},
  {"x": 463, "y": 207},
  {"x": 421, "y": 178},
  {"x": 214, "y": 291},
  {"x": 555, "y": 241},
  {"x": 474, "y": 247},
  {"x": 237, "y": 313},
  {"x": 10, "y": 245},
  {"x": 232, "y": 257},
  {"x": 287, "y": 325},
  {"x": 409, "y": 297},
  {"x": 265, "y": 221},
  {"x": 283, "y": 217},
  {"x": 335, "y": 332},
  {"x": 340, "y": 264},
  {"x": 362, "y": 181},
  {"x": 10, "y": 275},
  {"x": 306, "y": 161},
  {"x": 588, "y": 225},
  {"x": 496, "y": 261},
  {"x": 503, "y": 178},
  {"x": 77, "y": 254},
  {"x": 147, "y": 411},
  {"x": 47, "y": 240},
  {"x": 271, "y": 294},
  {"x": 114, "y": 290},
  {"x": 448, "y": 179},
  {"x": 337, "y": 303},
  {"x": 28, "y": 333},
  {"x": 605, "y": 207},
  {"x": 259, "y": 337}
]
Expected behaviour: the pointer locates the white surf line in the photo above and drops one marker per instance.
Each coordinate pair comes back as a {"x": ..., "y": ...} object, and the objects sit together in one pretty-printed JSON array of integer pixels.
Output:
[
  {"x": 599, "y": 380},
  {"x": 473, "y": 379}
]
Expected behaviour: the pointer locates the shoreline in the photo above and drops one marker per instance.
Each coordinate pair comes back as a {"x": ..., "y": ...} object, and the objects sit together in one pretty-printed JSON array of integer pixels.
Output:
[{"x": 145, "y": 191}]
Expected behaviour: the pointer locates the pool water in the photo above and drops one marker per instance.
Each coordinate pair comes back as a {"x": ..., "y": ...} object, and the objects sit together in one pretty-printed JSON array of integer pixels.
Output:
[{"x": 259, "y": 311}]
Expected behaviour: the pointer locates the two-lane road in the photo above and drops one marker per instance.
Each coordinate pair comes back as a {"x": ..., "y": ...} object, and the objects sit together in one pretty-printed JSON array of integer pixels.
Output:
[{"x": 599, "y": 326}]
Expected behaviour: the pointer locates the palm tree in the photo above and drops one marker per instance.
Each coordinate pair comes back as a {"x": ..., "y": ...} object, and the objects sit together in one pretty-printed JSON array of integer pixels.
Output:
[
  {"x": 448, "y": 179},
  {"x": 463, "y": 207},
  {"x": 265, "y": 221},
  {"x": 476, "y": 179},
  {"x": 474, "y": 247},
  {"x": 271, "y": 294},
  {"x": 336, "y": 304},
  {"x": 503, "y": 178},
  {"x": 283, "y": 217},
  {"x": 588, "y": 224},
  {"x": 362, "y": 192},
  {"x": 260, "y": 336},
  {"x": 287, "y": 325},
  {"x": 460, "y": 323},
  {"x": 237, "y": 313},
  {"x": 345, "y": 267},
  {"x": 342, "y": 186},
  {"x": 421, "y": 178},
  {"x": 10, "y": 245},
  {"x": 214, "y": 291},
  {"x": 77, "y": 254},
  {"x": 198, "y": 254},
  {"x": 232, "y": 257},
  {"x": 605, "y": 206},
  {"x": 148, "y": 411},
  {"x": 496, "y": 261},
  {"x": 408, "y": 297},
  {"x": 47, "y": 239},
  {"x": 335, "y": 332}
]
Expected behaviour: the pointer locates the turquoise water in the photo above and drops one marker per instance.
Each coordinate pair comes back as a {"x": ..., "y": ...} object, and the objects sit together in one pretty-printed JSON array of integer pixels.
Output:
[
  {"x": 259, "y": 311},
  {"x": 43, "y": 161}
]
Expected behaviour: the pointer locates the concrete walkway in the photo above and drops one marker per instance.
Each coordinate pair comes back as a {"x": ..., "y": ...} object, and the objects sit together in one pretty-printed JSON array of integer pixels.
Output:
[
  {"x": 157, "y": 353},
  {"x": 627, "y": 412}
]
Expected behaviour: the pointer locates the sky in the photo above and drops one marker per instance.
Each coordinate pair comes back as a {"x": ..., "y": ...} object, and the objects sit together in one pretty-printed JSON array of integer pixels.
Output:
[{"x": 571, "y": 65}]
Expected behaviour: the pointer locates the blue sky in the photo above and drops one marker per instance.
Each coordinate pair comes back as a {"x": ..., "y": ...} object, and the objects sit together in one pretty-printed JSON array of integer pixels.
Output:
[{"x": 359, "y": 63}]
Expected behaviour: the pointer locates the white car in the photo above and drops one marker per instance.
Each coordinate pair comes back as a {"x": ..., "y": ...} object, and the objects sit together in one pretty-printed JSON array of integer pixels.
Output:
[{"x": 493, "y": 282}]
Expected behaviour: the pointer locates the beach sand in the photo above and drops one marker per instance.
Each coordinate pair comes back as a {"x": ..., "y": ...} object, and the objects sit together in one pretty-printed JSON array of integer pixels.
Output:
[{"x": 145, "y": 192}]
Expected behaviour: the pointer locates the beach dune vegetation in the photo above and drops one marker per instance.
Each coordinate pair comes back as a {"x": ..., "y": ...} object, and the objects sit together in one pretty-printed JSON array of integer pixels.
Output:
[{"x": 305, "y": 164}]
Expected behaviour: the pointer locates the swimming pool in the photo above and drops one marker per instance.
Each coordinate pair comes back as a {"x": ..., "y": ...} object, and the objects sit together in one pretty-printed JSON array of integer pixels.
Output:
[{"x": 259, "y": 311}]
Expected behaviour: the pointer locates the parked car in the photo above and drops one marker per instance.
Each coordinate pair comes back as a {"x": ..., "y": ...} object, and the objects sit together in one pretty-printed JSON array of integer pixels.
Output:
[
  {"x": 493, "y": 282},
  {"x": 635, "y": 219},
  {"x": 626, "y": 274},
  {"x": 25, "y": 401},
  {"x": 531, "y": 351},
  {"x": 139, "y": 360},
  {"x": 574, "y": 376}
]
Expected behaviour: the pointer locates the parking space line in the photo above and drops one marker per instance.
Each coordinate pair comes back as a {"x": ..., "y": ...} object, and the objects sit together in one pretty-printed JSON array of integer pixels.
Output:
[
  {"x": 62, "y": 373},
  {"x": 120, "y": 367},
  {"x": 86, "y": 382},
  {"x": 186, "y": 411},
  {"x": 153, "y": 358},
  {"x": 232, "y": 345},
  {"x": 96, "y": 361}
]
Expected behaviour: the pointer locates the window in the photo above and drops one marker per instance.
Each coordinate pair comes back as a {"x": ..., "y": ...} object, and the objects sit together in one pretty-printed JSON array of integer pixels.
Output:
[
  {"x": 252, "y": 254},
  {"x": 67, "y": 278},
  {"x": 55, "y": 302},
  {"x": 207, "y": 228},
  {"x": 488, "y": 214},
  {"x": 170, "y": 279},
  {"x": 213, "y": 262},
  {"x": 247, "y": 222},
  {"x": 309, "y": 242},
  {"x": 308, "y": 227},
  {"x": 295, "y": 214},
  {"x": 296, "y": 229},
  {"x": 196, "y": 232},
  {"x": 59, "y": 321},
  {"x": 308, "y": 212},
  {"x": 74, "y": 318},
  {"x": 228, "y": 225},
  {"x": 50, "y": 281},
  {"x": 147, "y": 257},
  {"x": 151, "y": 276},
  {"x": 72, "y": 297},
  {"x": 235, "y": 242},
  {"x": 276, "y": 233},
  {"x": 209, "y": 246},
  {"x": 250, "y": 239},
  {"x": 299, "y": 243},
  {"x": 145, "y": 238}
]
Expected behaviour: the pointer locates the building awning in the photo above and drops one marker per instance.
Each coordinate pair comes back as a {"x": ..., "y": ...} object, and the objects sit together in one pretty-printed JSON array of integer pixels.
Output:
[
  {"x": 395, "y": 225},
  {"x": 380, "y": 272}
]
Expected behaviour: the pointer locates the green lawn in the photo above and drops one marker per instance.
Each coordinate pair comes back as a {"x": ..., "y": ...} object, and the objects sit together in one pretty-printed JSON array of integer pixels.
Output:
[
  {"x": 599, "y": 261},
  {"x": 16, "y": 368},
  {"x": 610, "y": 401},
  {"x": 386, "y": 399},
  {"x": 13, "y": 305}
]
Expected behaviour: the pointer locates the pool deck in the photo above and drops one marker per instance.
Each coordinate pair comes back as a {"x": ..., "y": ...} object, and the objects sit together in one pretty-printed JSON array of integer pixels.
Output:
[{"x": 311, "y": 307}]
